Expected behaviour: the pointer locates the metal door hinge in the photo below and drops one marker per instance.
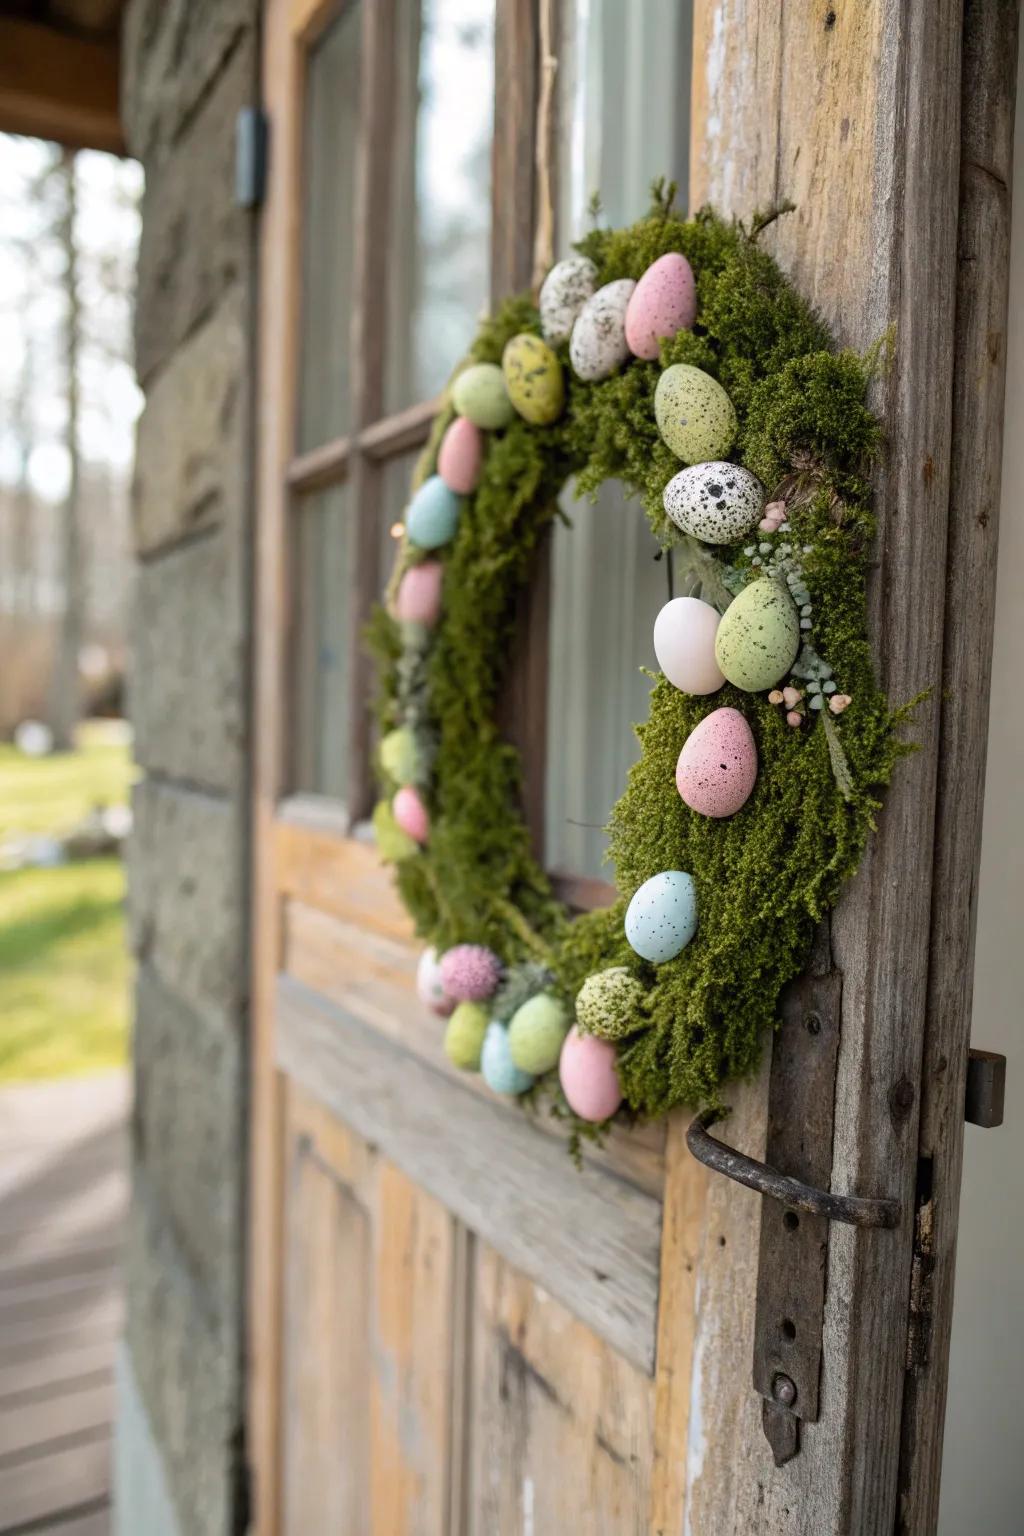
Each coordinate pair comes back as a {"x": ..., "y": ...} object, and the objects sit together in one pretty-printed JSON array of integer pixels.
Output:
[
  {"x": 986, "y": 1088},
  {"x": 251, "y": 133}
]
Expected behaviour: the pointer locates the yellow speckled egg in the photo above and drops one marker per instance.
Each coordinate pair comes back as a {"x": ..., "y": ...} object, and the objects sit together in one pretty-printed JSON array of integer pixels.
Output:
[
  {"x": 694, "y": 414},
  {"x": 533, "y": 378},
  {"x": 759, "y": 636}
]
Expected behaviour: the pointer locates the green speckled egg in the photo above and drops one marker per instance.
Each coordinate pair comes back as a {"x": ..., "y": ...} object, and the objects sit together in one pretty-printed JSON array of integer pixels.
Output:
[
  {"x": 533, "y": 377},
  {"x": 536, "y": 1033},
  {"x": 399, "y": 756},
  {"x": 608, "y": 1004},
  {"x": 464, "y": 1036},
  {"x": 759, "y": 636},
  {"x": 695, "y": 415},
  {"x": 393, "y": 844},
  {"x": 479, "y": 394}
]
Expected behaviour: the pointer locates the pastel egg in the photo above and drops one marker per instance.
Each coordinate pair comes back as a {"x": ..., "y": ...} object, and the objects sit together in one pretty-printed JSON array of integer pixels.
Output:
[
  {"x": 586, "y": 1071},
  {"x": 664, "y": 302},
  {"x": 433, "y": 514},
  {"x": 661, "y": 919},
  {"x": 598, "y": 343},
  {"x": 533, "y": 378},
  {"x": 464, "y": 1037},
  {"x": 684, "y": 643},
  {"x": 410, "y": 814},
  {"x": 716, "y": 502},
  {"x": 759, "y": 636},
  {"x": 400, "y": 756},
  {"x": 480, "y": 395},
  {"x": 393, "y": 844},
  {"x": 418, "y": 600},
  {"x": 608, "y": 1003},
  {"x": 470, "y": 972},
  {"x": 563, "y": 294},
  {"x": 694, "y": 414},
  {"x": 717, "y": 768},
  {"x": 497, "y": 1068},
  {"x": 535, "y": 1033},
  {"x": 461, "y": 456},
  {"x": 429, "y": 987}
]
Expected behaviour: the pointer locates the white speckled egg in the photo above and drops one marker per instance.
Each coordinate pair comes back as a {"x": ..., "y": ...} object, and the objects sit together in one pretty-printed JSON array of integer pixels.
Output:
[
  {"x": 598, "y": 343},
  {"x": 429, "y": 986},
  {"x": 716, "y": 502},
  {"x": 684, "y": 643},
  {"x": 661, "y": 919},
  {"x": 717, "y": 768},
  {"x": 694, "y": 414},
  {"x": 759, "y": 636},
  {"x": 563, "y": 294},
  {"x": 664, "y": 303}
]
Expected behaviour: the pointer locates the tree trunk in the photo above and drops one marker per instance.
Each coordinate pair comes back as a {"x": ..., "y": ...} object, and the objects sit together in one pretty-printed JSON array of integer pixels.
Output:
[{"x": 65, "y": 701}]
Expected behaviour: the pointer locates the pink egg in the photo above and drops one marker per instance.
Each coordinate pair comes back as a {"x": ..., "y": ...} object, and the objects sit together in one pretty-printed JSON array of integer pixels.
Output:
[
  {"x": 429, "y": 986},
  {"x": 717, "y": 767},
  {"x": 684, "y": 643},
  {"x": 418, "y": 600},
  {"x": 461, "y": 456},
  {"x": 664, "y": 301},
  {"x": 411, "y": 814},
  {"x": 586, "y": 1070},
  {"x": 470, "y": 972}
]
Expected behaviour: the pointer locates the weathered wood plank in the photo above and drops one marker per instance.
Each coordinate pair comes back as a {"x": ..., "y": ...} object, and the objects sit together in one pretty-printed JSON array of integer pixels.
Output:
[
  {"x": 30, "y": 1428},
  {"x": 853, "y": 113},
  {"x": 593, "y": 1239},
  {"x": 76, "y": 1475},
  {"x": 57, "y": 86},
  {"x": 983, "y": 267}
]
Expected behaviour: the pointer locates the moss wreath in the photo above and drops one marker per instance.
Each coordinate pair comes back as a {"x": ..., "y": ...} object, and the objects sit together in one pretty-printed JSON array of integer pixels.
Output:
[{"x": 449, "y": 814}]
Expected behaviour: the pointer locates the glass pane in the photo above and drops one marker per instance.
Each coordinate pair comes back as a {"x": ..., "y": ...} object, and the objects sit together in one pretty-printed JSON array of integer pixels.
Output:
[
  {"x": 332, "y": 116},
  {"x": 322, "y": 642},
  {"x": 439, "y": 253},
  {"x": 607, "y": 588}
]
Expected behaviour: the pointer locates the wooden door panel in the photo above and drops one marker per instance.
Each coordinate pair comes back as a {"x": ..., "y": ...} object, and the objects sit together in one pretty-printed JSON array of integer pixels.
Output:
[{"x": 562, "y": 1425}]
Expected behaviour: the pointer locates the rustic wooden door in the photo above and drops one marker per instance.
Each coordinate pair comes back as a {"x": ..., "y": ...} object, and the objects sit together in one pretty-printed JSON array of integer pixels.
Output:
[{"x": 452, "y": 1330}]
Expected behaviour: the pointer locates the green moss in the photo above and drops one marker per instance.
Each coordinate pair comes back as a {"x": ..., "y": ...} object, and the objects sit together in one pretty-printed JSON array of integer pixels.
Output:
[{"x": 765, "y": 875}]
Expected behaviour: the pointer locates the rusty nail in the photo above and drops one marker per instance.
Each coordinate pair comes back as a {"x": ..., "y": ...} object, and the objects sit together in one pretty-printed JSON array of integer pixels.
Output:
[{"x": 784, "y": 1390}]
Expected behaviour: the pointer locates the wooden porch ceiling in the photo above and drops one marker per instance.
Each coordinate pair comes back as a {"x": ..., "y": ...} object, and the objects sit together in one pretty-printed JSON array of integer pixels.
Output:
[{"x": 60, "y": 71}]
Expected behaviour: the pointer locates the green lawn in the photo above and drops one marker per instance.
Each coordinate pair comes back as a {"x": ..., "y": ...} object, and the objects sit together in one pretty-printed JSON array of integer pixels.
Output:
[{"x": 63, "y": 965}]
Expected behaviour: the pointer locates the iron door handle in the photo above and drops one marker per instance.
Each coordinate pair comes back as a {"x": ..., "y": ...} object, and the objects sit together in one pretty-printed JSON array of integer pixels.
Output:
[{"x": 855, "y": 1210}]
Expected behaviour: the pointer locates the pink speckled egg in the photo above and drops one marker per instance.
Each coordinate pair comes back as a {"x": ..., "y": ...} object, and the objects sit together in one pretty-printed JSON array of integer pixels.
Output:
[
  {"x": 586, "y": 1070},
  {"x": 664, "y": 301},
  {"x": 461, "y": 456},
  {"x": 429, "y": 987},
  {"x": 717, "y": 767},
  {"x": 411, "y": 814},
  {"x": 470, "y": 973},
  {"x": 684, "y": 643},
  {"x": 418, "y": 600}
]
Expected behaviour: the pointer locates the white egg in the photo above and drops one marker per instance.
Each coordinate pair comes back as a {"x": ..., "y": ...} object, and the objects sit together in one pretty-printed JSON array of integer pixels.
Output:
[
  {"x": 598, "y": 344},
  {"x": 684, "y": 643},
  {"x": 716, "y": 502},
  {"x": 563, "y": 294}
]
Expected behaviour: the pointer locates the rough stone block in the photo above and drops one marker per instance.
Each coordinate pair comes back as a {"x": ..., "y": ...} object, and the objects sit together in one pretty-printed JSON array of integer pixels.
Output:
[
  {"x": 190, "y": 452},
  {"x": 187, "y": 895},
  {"x": 188, "y": 1129},
  {"x": 171, "y": 52},
  {"x": 185, "y": 1357},
  {"x": 196, "y": 244},
  {"x": 188, "y": 689}
]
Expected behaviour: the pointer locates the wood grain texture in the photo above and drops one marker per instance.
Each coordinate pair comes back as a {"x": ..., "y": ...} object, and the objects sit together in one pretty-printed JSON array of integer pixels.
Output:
[
  {"x": 853, "y": 113},
  {"x": 516, "y": 64},
  {"x": 592, "y": 1238},
  {"x": 562, "y": 1426},
  {"x": 983, "y": 258},
  {"x": 54, "y": 85}
]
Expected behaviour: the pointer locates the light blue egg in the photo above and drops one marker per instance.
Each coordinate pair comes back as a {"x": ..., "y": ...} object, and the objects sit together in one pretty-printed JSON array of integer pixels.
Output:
[
  {"x": 499, "y": 1071},
  {"x": 433, "y": 514},
  {"x": 661, "y": 919}
]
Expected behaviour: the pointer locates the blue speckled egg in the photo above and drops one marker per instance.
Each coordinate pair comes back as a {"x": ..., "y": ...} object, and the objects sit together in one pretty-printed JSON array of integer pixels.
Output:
[
  {"x": 661, "y": 919},
  {"x": 499, "y": 1071},
  {"x": 433, "y": 514}
]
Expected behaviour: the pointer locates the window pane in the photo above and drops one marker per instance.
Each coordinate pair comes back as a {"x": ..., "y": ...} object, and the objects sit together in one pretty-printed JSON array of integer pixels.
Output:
[
  {"x": 607, "y": 588},
  {"x": 332, "y": 116},
  {"x": 439, "y": 253},
  {"x": 322, "y": 642}
]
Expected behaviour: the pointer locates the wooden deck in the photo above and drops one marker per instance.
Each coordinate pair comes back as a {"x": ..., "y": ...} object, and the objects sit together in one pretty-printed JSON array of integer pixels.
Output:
[{"x": 63, "y": 1189}]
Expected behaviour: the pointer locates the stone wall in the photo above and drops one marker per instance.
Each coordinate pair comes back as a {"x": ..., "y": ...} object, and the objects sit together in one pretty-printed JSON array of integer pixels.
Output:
[{"x": 189, "y": 66}]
